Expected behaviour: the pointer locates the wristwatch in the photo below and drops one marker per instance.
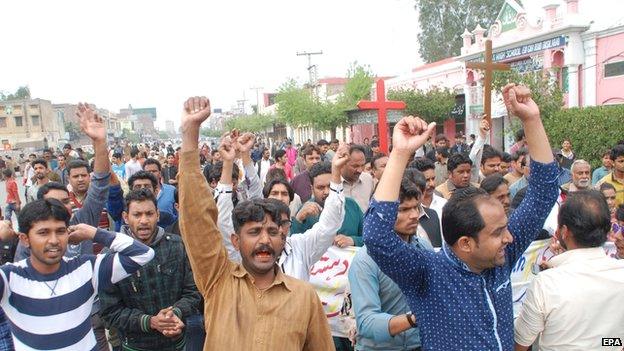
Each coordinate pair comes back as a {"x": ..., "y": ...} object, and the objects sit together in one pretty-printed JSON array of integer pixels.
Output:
[{"x": 411, "y": 319}]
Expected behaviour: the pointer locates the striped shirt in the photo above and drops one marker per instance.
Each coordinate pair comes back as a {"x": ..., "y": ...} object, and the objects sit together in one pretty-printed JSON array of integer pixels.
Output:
[{"x": 52, "y": 311}]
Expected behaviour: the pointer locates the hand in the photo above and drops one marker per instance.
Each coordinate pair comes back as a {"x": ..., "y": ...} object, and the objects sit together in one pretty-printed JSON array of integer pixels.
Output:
[
  {"x": 6, "y": 230},
  {"x": 164, "y": 320},
  {"x": 341, "y": 157},
  {"x": 196, "y": 110},
  {"x": 227, "y": 149},
  {"x": 343, "y": 241},
  {"x": 246, "y": 142},
  {"x": 310, "y": 208},
  {"x": 173, "y": 181},
  {"x": 114, "y": 180},
  {"x": 484, "y": 128},
  {"x": 80, "y": 232},
  {"x": 410, "y": 134},
  {"x": 177, "y": 330},
  {"x": 91, "y": 123},
  {"x": 519, "y": 102}
]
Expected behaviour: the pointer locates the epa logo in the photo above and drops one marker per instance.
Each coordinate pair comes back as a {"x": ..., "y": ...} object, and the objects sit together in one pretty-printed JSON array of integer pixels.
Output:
[{"x": 611, "y": 342}]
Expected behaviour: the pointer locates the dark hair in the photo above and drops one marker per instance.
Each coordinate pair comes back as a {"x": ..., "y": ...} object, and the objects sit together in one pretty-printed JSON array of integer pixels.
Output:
[
  {"x": 275, "y": 173},
  {"x": 375, "y": 158},
  {"x": 440, "y": 137},
  {"x": 143, "y": 175},
  {"x": 586, "y": 215},
  {"x": 118, "y": 155},
  {"x": 279, "y": 154},
  {"x": 617, "y": 151},
  {"x": 75, "y": 164},
  {"x": 41, "y": 210},
  {"x": 322, "y": 142},
  {"x": 270, "y": 184},
  {"x": 460, "y": 215},
  {"x": 335, "y": 141},
  {"x": 492, "y": 182},
  {"x": 318, "y": 169},
  {"x": 45, "y": 188},
  {"x": 47, "y": 150},
  {"x": 309, "y": 150},
  {"x": 488, "y": 153},
  {"x": 519, "y": 134},
  {"x": 140, "y": 195},
  {"x": 413, "y": 184},
  {"x": 281, "y": 208},
  {"x": 506, "y": 157},
  {"x": 32, "y": 155},
  {"x": 459, "y": 135},
  {"x": 39, "y": 161},
  {"x": 214, "y": 151},
  {"x": 422, "y": 164},
  {"x": 518, "y": 153},
  {"x": 619, "y": 213},
  {"x": 254, "y": 210},
  {"x": 457, "y": 159},
  {"x": 7, "y": 172},
  {"x": 374, "y": 143},
  {"x": 152, "y": 161},
  {"x": 214, "y": 175},
  {"x": 171, "y": 154},
  {"x": 607, "y": 186},
  {"x": 443, "y": 151}
]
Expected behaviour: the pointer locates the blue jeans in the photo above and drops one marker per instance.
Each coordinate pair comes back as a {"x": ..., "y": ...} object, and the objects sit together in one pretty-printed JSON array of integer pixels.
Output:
[
  {"x": 195, "y": 333},
  {"x": 6, "y": 340},
  {"x": 9, "y": 210}
]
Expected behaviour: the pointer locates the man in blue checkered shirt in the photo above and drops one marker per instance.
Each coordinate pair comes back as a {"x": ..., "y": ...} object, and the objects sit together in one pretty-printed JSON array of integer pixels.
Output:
[{"x": 462, "y": 295}]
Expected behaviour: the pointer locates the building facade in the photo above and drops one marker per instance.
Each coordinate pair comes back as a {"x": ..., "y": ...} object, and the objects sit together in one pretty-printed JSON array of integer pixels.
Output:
[{"x": 30, "y": 123}]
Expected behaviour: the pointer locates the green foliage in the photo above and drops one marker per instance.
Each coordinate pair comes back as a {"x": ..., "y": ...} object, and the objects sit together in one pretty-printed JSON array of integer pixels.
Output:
[
  {"x": 72, "y": 129},
  {"x": 163, "y": 135},
  {"x": 20, "y": 94},
  {"x": 297, "y": 107},
  {"x": 443, "y": 22},
  {"x": 253, "y": 123},
  {"x": 131, "y": 136},
  {"x": 434, "y": 105},
  {"x": 592, "y": 130},
  {"x": 547, "y": 96},
  {"x": 213, "y": 133}
]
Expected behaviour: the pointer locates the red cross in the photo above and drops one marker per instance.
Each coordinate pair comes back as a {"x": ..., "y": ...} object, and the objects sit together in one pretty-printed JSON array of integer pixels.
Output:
[{"x": 382, "y": 106}]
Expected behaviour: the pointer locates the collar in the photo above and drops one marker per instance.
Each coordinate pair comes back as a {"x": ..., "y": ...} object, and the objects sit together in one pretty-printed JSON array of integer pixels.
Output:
[
  {"x": 453, "y": 259},
  {"x": 160, "y": 233},
  {"x": 359, "y": 180},
  {"x": 613, "y": 178},
  {"x": 423, "y": 213},
  {"x": 280, "y": 278},
  {"x": 450, "y": 186},
  {"x": 576, "y": 255}
]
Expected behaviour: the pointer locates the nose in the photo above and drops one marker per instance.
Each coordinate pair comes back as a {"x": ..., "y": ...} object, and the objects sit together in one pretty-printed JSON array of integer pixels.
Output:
[
  {"x": 508, "y": 238},
  {"x": 264, "y": 237},
  {"x": 53, "y": 239}
]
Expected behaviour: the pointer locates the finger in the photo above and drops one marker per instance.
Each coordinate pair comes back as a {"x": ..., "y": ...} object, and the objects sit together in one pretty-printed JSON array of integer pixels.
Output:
[
  {"x": 187, "y": 105},
  {"x": 513, "y": 101},
  {"x": 507, "y": 87},
  {"x": 431, "y": 128}
]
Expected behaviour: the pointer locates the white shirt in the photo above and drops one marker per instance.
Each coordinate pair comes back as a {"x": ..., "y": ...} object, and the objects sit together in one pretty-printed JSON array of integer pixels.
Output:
[
  {"x": 132, "y": 166},
  {"x": 575, "y": 304},
  {"x": 437, "y": 203},
  {"x": 264, "y": 165}
]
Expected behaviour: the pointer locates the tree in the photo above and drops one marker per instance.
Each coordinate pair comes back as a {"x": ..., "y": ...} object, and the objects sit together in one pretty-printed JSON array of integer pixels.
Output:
[
  {"x": 213, "y": 133},
  {"x": 254, "y": 123},
  {"x": 72, "y": 129},
  {"x": 22, "y": 93},
  {"x": 298, "y": 107},
  {"x": 443, "y": 22},
  {"x": 434, "y": 105}
]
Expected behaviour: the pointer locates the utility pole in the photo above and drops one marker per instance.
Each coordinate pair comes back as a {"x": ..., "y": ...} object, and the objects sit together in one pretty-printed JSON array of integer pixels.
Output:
[
  {"x": 257, "y": 89},
  {"x": 312, "y": 69}
]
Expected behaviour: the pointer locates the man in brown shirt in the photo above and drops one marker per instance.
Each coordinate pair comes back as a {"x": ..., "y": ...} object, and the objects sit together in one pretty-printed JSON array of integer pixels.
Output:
[{"x": 252, "y": 305}]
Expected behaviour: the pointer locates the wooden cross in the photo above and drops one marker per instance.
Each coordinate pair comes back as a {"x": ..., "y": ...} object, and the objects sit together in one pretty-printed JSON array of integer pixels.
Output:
[
  {"x": 488, "y": 66},
  {"x": 382, "y": 106}
]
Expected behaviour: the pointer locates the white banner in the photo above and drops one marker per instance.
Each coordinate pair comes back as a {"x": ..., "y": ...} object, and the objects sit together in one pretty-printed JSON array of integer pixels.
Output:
[
  {"x": 330, "y": 278},
  {"x": 527, "y": 267}
]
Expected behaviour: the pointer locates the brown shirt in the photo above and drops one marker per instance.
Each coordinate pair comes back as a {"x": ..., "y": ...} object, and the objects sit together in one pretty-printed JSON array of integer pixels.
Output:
[
  {"x": 447, "y": 188},
  {"x": 286, "y": 316}
]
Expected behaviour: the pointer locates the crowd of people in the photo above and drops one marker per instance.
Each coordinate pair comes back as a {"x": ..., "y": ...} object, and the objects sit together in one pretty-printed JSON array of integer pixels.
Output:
[{"x": 212, "y": 246}]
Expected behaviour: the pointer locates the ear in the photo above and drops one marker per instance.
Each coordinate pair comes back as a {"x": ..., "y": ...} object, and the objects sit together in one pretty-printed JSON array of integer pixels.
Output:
[
  {"x": 157, "y": 214},
  {"x": 124, "y": 215},
  {"x": 24, "y": 239},
  {"x": 465, "y": 244},
  {"x": 235, "y": 239},
  {"x": 176, "y": 206}
]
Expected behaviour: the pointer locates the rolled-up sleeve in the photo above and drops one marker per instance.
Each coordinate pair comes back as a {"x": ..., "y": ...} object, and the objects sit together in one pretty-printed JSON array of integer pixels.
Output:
[{"x": 532, "y": 318}]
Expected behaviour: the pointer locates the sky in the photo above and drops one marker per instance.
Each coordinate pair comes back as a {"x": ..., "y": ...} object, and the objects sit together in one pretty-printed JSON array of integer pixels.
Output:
[{"x": 156, "y": 53}]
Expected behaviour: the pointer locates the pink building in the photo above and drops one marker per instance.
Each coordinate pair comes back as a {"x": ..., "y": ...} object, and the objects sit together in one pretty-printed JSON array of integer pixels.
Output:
[{"x": 584, "y": 55}]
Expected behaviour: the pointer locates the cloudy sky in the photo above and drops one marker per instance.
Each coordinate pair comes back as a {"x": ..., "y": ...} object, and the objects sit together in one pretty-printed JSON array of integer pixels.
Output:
[{"x": 156, "y": 53}]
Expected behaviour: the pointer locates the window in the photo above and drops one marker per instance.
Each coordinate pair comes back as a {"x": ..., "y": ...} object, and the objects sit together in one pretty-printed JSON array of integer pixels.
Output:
[
  {"x": 3, "y": 122},
  {"x": 18, "y": 121},
  {"x": 35, "y": 120},
  {"x": 614, "y": 69}
]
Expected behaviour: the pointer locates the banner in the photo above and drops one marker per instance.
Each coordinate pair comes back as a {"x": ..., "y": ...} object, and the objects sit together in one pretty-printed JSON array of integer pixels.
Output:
[
  {"x": 528, "y": 265},
  {"x": 330, "y": 278}
]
